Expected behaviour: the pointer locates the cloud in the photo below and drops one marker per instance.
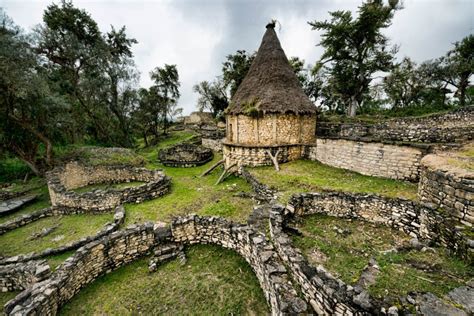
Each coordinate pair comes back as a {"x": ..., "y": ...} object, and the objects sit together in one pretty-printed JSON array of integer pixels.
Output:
[{"x": 198, "y": 34}]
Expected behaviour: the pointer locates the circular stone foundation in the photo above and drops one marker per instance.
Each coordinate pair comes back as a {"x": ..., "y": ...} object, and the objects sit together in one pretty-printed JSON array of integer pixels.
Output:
[
  {"x": 62, "y": 180},
  {"x": 185, "y": 155}
]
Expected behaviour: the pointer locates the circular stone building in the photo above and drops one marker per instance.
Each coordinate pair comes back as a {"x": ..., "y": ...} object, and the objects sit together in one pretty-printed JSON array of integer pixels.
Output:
[{"x": 269, "y": 118}]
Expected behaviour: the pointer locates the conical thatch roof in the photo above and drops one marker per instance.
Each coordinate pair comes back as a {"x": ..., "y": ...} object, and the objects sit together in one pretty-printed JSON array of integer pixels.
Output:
[{"x": 270, "y": 86}]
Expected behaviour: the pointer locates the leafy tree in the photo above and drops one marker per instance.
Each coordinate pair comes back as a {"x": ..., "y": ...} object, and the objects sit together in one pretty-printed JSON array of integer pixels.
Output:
[
  {"x": 404, "y": 85},
  {"x": 29, "y": 110},
  {"x": 457, "y": 67},
  {"x": 235, "y": 68},
  {"x": 157, "y": 106},
  {"x": 120, "y": 74},
  {"x": 355, "y": 49},
  {"x": 94, "y": 70},
  {"x": 166, "y": 88},
  {"x": 309, "y": 80},
  {"x": 212, "y": 97}
]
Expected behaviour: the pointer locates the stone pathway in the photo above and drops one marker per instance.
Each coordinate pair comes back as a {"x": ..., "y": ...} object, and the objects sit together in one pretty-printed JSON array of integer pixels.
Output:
[{"x": 9, "y": 206}]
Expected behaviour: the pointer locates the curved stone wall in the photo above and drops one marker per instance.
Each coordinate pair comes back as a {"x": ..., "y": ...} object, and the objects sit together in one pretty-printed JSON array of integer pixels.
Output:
[
  {"x": 185, "y": 155},
  {"x": 122, "y": 247},
  {"x": 19, "y": 276},
  {"x": 271, "y": 129},
  {"x": 447, "y": 186},
  {"x": 74, "y": 175}
]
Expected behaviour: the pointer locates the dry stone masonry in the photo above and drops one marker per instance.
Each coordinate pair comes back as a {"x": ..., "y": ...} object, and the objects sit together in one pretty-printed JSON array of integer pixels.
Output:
[
  {"x": 447, "y": 186},
  {"x": 374, "y": 159},
  {"x": 421, "y": 221},
  {"x": 20, "y": 276},
  {"x": 62, "y": 180},
  {"x": 185, "y": 155},
  {"x": 453, "y": 127},
  {"x": 122, "y": 247}
]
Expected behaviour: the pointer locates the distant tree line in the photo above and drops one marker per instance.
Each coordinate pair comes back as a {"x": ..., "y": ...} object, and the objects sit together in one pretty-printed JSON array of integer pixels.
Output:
[
  {"x": 67, "y": 82},
  {"x": 358, "y": 71}
]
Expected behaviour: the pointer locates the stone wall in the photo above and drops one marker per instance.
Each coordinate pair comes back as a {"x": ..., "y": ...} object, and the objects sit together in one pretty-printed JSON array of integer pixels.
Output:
[
  {"x": 62, "y": 180},
  {"x": 453, "y": 127},
  {"x": 271, "y": 129},
  {"x": 447, "y": 186},
  {"x": 257, "y": 156},
  {"x": 374, "y": 159},
  {"x": 213, "y": 144},
  {"x": 326, "y": 294},
  {"x": 185, "y": 155},
  {"x": 19, "y": 276},
  {"x": 25, "y": 219},
  {"x": 417, "y": 220},
  {"x": 122, "y": 247},
  {"x": 254, "y": 248}
]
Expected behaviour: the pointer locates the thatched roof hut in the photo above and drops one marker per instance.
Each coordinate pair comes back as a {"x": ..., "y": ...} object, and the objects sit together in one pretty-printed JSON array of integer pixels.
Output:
[
  {"x": 269, "y": 116},
  {"x": 271, "y": 85}
]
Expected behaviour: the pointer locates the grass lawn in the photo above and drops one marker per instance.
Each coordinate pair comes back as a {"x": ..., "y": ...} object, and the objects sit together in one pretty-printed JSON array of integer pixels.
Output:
[
  {"x": 214, "y": 281},
  {"x": 401, "y": 272},
  {"x": 5, "y": 297},
  {"x": 312, "y": 176},
  {"x": 190, "y": 193},
  {"x": 71, "y": 227}
]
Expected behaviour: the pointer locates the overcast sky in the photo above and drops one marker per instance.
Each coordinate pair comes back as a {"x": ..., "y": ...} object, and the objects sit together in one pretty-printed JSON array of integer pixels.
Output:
[{"x": 198, "y": 34}]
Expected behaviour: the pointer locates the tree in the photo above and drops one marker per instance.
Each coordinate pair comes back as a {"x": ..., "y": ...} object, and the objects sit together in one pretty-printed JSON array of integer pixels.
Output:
[
  {"x": 212, "y": 97},
  {"x": 120, "y": 71},
  {"x": 29, "y": 110},
  {"x": 94, "y": 70},
  {"x": 404, "y": 85},
  {"x": 235, "y": 68},
  {"x": 310, "y": 81},
  {"x": 355, "y": 48},
  {"x": 457, "y": 67},
  {"x": 166, "y": 88}
]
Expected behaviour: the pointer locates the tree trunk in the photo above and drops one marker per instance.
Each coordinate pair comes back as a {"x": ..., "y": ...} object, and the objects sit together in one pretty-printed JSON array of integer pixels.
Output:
[
  {"x": 462, "y": 89},
  {"x": 352, "y": 107}
]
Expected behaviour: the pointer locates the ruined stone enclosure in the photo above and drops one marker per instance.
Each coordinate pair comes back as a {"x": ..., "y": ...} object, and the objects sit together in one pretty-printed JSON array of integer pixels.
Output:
[
  {"x": 185, "y": 155},
  {"x": 62, "y": 180}
]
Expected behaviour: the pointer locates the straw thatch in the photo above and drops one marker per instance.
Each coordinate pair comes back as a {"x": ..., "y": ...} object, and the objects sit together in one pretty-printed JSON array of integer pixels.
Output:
[{"x": 270, "y": 86}]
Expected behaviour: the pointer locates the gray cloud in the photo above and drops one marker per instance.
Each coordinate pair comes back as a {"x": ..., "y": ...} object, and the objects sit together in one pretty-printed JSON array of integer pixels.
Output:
[{"x": 198, "y": 34}]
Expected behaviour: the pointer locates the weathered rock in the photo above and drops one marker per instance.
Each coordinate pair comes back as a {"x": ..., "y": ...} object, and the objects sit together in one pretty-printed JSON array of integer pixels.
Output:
[
  {"x": 464, "y": 296},
  {"x": 11, "y": 205},
  {"x": 429, "y": 304}
]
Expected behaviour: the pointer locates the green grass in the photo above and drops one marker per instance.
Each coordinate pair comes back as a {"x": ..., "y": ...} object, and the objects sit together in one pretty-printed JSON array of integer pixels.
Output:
[
  {"x": 5, "y": 297},
  {"x": 107, "y": 186},
  {"x": 72, "y": 227},
  {"x": 310, "y": 176},
  {"x": 190, "y": 193},
  {"x": 347, "y": 256},
  {"x": 214, "y": 281}
]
